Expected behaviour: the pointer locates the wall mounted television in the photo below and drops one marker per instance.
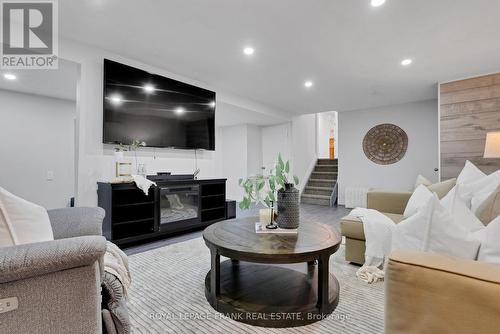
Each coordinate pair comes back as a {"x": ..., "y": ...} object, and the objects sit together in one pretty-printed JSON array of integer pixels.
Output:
[{"x": 159, "y": 111}]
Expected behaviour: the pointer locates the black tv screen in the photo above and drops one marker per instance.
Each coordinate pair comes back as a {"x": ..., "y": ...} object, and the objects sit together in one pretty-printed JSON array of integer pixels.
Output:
[{"x": 156, "y": 110}]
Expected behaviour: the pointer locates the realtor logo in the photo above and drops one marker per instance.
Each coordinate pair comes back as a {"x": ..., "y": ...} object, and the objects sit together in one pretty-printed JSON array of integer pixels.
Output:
[{"x": 29, "y": 34}]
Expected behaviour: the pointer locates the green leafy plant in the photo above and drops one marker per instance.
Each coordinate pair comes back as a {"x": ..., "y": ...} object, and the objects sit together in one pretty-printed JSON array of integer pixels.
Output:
[{"x": 255, "y": 186}]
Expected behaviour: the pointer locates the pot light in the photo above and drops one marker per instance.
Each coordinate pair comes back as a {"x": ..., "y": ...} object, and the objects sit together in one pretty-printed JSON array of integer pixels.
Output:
[
  {"x": 10, "y": 76},
  {"x": 116, "y": 99},
  {"x": 406, "y": 62},
  {"x": 248, "y": 50},
  {"x": 149, "y": 88},
  {"x": 179, "y": 110},
  {"x": 377, "y": 3},
  {"x": 212, "y": 104},
  {"x": 308, "y": 84}
]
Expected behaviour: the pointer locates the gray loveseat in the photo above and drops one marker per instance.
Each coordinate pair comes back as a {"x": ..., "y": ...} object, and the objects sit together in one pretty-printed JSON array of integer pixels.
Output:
[{"x": 57, "y": 283}]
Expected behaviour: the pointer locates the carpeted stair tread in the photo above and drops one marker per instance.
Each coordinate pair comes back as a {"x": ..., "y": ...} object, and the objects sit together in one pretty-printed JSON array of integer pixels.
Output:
[
  {"x": 322, "y": 180},
  {"x": 319, "y": 188},
  {"x": 316, "y": 196}
]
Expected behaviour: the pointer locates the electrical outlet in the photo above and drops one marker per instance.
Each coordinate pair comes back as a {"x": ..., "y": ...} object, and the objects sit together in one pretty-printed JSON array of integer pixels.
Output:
[
  {"x": 50, "y": 175},
  {"x": 8, "y": 304}
]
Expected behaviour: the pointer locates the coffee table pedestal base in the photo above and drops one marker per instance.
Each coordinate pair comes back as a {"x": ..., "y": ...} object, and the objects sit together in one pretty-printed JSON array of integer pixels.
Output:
[{"x": 271, "y": 296}]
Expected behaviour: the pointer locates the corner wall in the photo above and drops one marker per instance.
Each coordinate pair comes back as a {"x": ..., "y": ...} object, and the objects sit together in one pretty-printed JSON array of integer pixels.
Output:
[
  {"x": 418, "y": 119},
  {"x": 37, "y": 136}
]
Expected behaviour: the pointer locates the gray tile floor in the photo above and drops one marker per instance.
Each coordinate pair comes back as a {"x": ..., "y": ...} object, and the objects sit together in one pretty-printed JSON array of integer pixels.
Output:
[{"x": 308, "y": 212}]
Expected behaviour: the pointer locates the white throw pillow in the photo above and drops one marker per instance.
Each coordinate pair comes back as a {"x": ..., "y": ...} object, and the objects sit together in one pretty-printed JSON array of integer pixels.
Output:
[
  {"x": 457, "y": 207},
  {"x": 490, "y": 247},
  {"x": 469, "y": 173},
  {"x": 449, "y": 233},
  {"x": 410, "y": 233},
  {"x": 419, "y": 197},
  {"x": 433, "y": 228},
  {"x": 22, "y": 222},
  {"x": 473, "y": 192}
]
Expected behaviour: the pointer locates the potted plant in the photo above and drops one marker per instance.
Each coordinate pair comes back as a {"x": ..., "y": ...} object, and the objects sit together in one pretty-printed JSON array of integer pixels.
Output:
[{"x": 274, "y": 187}]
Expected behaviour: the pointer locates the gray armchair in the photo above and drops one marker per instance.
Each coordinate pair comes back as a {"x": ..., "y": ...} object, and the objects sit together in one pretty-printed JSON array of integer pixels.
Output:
[{"x": 57, "y": 283}]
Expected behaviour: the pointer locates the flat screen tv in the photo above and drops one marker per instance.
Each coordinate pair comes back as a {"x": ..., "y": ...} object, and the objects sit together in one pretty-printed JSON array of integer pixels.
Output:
[{"x": 156, "y": 110}]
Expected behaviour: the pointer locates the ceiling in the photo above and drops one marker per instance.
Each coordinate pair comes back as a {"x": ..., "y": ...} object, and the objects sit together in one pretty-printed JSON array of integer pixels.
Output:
[
  {"x": 60, "y": 83},
  {"x": 350, "y": 50}
]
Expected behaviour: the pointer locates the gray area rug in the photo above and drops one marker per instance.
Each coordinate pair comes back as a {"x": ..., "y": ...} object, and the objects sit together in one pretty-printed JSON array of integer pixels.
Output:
[{"x": 167, "y": 296}]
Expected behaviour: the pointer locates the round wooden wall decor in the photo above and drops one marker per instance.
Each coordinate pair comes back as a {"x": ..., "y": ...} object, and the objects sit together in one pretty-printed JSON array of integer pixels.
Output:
[{"x": 385, "y": 144}]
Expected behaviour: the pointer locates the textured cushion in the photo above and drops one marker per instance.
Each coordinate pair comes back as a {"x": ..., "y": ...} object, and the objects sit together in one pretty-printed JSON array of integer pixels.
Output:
[
  {"x": 24, "y": 261},
  {"x": 419, "y": 197},
  {"x": 490, "y": 208},
  {"x": 442, "y": 188},
  {"x": 22, "y": 222},
  {"x": 422, "y": 180},
  {"x": 76, "y": 222}
]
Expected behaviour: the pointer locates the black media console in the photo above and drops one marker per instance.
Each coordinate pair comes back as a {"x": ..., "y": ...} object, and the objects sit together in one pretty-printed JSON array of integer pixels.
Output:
[{"x": 177, "y": 203}]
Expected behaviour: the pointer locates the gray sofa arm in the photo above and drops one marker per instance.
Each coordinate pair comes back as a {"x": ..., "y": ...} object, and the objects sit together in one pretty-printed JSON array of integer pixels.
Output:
[
  {"x": 30, "y": 260},
  {"x": 76, "y": 222}
]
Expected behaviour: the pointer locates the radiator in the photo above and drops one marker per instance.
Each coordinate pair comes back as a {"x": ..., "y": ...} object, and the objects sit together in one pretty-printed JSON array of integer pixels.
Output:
[{"x": 355, "y": 197}]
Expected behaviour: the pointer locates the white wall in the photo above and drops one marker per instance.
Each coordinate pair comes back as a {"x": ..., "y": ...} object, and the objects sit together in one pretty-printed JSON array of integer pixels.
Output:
[
  {"x": 418, "y": 119},
  {"x": 234, "y": 158},
  {"x": 275, "y": 139},
  {"x": 37, "y": 137},
  {"x": 254, "y": 149},
  {"x": 327, "y": 124},
  {"x": 304, "y": 155},
  {"x": 95, "y": 160},
  {"x": 296, "y": 141}
]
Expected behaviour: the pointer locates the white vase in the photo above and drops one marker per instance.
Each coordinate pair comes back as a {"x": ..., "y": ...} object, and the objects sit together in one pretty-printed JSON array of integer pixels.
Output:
[{"x": 118, "y": 156}]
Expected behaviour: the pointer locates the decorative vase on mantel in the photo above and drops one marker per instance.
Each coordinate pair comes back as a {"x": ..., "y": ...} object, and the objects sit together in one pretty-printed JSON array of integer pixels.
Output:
[{"x": 288, "y": 207}]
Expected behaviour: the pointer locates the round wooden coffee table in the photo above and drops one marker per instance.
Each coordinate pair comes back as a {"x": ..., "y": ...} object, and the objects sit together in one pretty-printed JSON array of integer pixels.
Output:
[{"x": 254, "y": 292}]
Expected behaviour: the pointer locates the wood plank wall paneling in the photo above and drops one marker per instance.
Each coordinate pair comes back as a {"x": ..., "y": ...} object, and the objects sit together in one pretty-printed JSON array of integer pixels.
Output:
[{"x": 469, "y": 109}]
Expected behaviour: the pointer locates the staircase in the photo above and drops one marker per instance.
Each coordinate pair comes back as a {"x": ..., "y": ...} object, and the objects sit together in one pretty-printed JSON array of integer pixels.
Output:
[{"x": 321, "y": 189}]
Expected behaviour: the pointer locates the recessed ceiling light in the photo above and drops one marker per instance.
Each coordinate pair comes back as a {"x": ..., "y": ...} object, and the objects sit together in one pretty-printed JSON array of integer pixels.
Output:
[
  {"x": 406, "y": 62},
  {"x": 377, "y": 3},
  {"x": 10, "y": 76},
  {"x": 212, "y": 104},
  {"x": 179, "y": 110},
  {"x": 248, "y": 50},
  {"x": 116, "y": 99},
  {"x": 149, "y": 88},
  {"x": 308, "y": 84}
]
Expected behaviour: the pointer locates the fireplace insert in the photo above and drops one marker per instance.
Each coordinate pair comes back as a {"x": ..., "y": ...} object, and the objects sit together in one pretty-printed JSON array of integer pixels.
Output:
[{"x": 179, "y": 204}]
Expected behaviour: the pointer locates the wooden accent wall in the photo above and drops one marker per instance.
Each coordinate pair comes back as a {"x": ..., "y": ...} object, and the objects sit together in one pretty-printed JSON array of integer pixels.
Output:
[{"x": 469, "y": 109}]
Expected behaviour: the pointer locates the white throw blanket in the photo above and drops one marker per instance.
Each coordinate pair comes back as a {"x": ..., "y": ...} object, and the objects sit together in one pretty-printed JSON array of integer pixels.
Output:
[
  {"x": 142, "y": 183},
  {"x": 115, "y": 262},
  {"x": 378, "y": 230}
]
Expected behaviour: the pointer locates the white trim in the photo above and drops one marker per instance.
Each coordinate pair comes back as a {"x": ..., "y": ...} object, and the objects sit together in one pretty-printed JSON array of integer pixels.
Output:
[{"x": 439, "y": 132}]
